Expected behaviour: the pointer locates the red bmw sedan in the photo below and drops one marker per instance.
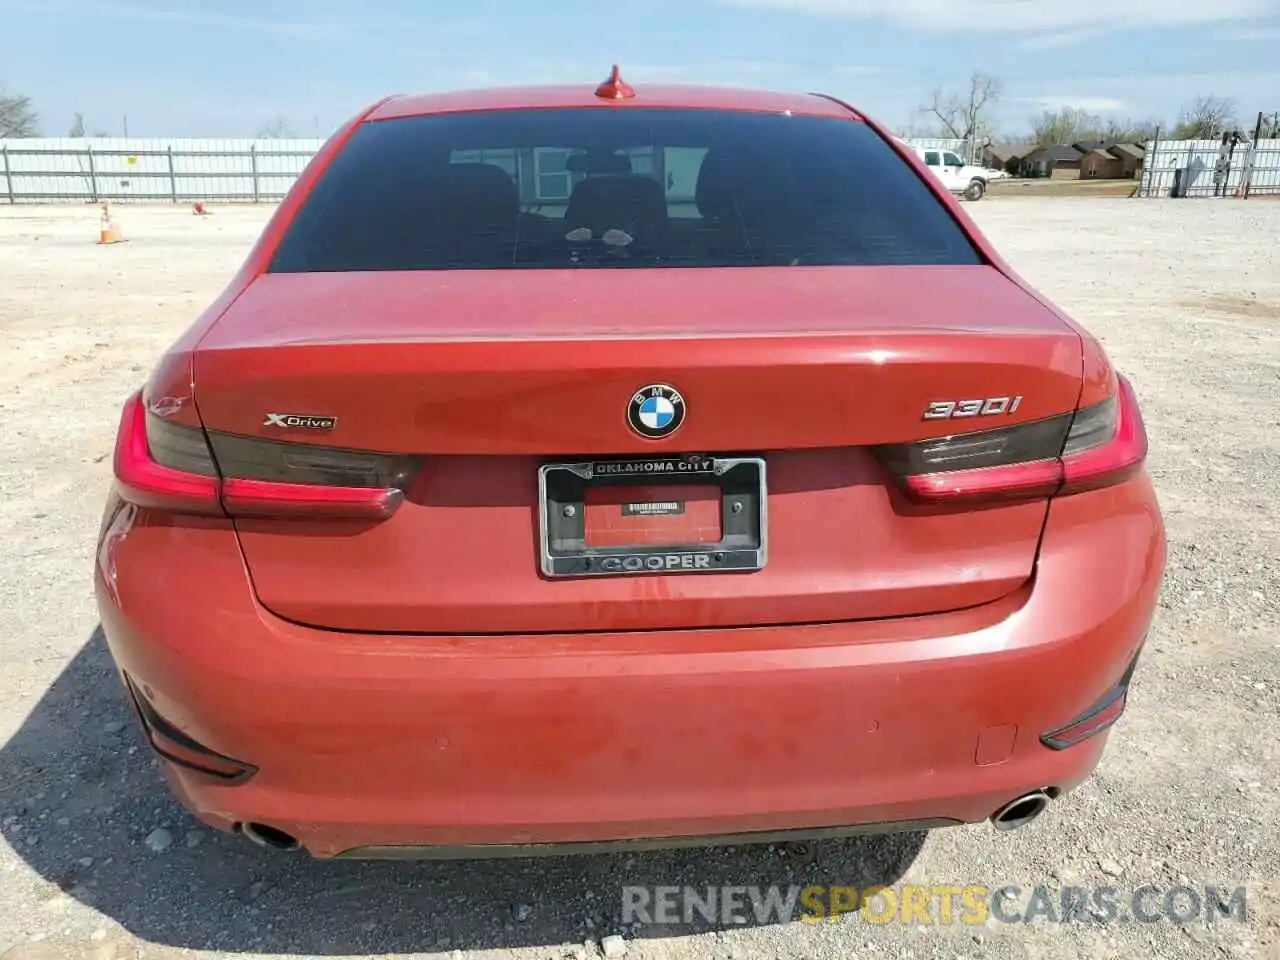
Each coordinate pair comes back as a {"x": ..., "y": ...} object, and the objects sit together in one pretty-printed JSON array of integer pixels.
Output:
[{"x": 570, "y": 467}]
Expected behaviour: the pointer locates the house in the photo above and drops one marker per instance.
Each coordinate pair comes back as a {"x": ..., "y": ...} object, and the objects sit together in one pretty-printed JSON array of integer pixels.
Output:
[
  {"x": 1131, "y": 156},
  {"x": 1084, "y": 146},
  {"x": 998, "y": 156},
  {"x": 1100, "y": 164},
  {"x": 1108, "y": 160},
  {"x": 1058, "y": 161}
]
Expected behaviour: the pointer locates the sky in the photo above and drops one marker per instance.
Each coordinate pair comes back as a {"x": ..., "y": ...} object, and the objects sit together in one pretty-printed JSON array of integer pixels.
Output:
[{"x": 233, "y": 68}]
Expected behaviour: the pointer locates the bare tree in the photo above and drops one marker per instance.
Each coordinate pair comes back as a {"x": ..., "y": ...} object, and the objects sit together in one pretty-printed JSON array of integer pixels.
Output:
[
  {"x": 1204, "y": 118},
  {"x": 277, "y": 129},
  {"x": 1071, "y": 125},
  {"x": 920, "y": 129},
  {"x": 17, "y": 118},
  {"x": 78, "y": 128},
  {"x": 1065, "y": 125},
  {"x": 1130, "y": 131},
  {"x": 965, "y": 115}
]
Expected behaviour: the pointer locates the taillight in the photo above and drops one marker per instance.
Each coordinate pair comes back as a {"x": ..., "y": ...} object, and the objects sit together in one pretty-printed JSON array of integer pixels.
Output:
[
  {"x": 189, "y": 485},
  {"x": 264, "y": 478},
  {"x": 181, "y": 468},
  {"x": 1094, "y": 447}
]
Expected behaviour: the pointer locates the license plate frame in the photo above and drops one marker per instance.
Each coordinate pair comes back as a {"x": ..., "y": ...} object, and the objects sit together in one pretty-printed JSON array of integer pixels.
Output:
[{"x": 743, "y": 547}]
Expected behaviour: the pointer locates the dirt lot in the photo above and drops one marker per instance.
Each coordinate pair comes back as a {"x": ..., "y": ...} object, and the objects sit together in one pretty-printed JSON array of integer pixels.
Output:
[
  {"x": 1186, "y": 297},
  {"x": 1044, "y": 188}
]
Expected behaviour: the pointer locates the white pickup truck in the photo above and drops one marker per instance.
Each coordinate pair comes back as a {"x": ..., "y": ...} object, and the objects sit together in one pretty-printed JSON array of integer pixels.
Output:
[{"x": 956, "y": 175}]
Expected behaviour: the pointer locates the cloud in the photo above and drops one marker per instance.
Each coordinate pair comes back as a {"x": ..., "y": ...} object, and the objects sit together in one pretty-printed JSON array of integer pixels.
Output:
[
  {"x": 1089, "y": 104},
  {"x": 1243, "y": 85},
  {"x": 1058, "y": 38},
  {"x": 734, "y": 69},
  {"x": 1026, "y": 15},
  {"x": 1250, "y": 33},
  {"x": 1159, "y": 96},
  {"x": 733, "y": 72},
  {"x": 295, "y": 29},
  {"x": 659, "y": 72},
  {"x": 858, "y": 70},
  {"x": 476, "y": 76}
]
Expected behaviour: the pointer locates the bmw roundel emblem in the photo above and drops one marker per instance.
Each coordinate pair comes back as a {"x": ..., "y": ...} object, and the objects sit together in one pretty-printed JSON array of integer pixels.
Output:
[{"x": 656, "y": 411}]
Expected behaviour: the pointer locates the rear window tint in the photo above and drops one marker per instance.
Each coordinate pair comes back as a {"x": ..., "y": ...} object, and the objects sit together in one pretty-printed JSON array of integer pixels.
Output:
[{"x": 600, "y": 187}]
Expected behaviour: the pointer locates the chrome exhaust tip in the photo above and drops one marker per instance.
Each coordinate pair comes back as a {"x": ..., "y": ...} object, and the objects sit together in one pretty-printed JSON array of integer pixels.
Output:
[
  {"x": 269, "y": 837},
  {"x": 1021, "y": 811}
]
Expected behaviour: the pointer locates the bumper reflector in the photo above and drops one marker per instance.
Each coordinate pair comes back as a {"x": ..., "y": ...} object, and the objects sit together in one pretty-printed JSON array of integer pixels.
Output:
[
  {"x": 176, "y": 747},
  {"x": 1097, "y": 718}
]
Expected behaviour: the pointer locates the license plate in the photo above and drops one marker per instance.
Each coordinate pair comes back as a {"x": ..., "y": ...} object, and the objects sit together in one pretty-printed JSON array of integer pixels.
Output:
[{"x": 652, "y": 515}]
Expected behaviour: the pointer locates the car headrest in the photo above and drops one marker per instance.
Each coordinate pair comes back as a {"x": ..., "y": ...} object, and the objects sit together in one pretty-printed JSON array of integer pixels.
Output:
[
  {"x": 470, "y": 192},
  {"x": 714, "y": 192},
  {"x": 632, "y": 203}
]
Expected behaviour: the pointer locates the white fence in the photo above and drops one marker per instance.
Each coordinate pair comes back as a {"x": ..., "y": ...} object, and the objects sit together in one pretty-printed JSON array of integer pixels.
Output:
[
  {"x": 965, "y": 148},
  {"x": 101, "y": 168},
  {"x": 1192, "y": 168},
  {"x": 52, "y": 170},
  {"x": 180, "y": 171}
]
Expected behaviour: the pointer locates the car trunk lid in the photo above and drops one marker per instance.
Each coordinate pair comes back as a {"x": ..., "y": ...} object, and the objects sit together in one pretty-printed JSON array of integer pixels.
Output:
[{"x": 489, "y": 375}]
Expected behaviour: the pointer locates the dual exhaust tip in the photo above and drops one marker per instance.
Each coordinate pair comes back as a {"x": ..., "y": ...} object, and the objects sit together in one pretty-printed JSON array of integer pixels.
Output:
[
  {"x": 1020, "y": 811},
  {"x": 269, "y": 837},
  {"x": 1016, "y": 813}
]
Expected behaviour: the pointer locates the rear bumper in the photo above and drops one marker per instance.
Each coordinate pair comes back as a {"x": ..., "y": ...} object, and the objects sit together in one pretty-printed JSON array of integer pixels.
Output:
[{"x": 375, "y": 741}]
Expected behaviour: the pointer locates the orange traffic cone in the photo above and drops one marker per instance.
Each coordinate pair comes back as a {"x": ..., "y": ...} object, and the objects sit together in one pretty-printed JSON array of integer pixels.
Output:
[{"x": 109, "y": 232}]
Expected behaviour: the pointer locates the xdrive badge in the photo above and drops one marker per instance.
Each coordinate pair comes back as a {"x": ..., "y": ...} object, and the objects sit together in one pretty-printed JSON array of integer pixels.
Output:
[{"x": 301, "y": 421}]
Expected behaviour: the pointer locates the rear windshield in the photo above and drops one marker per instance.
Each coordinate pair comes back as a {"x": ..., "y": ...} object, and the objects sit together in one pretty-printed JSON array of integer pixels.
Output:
[{"x": 632, "y": 187}]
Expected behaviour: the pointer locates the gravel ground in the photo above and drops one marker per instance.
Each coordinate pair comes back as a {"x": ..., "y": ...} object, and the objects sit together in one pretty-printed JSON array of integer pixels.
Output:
[{"x": 96, "y": 861}]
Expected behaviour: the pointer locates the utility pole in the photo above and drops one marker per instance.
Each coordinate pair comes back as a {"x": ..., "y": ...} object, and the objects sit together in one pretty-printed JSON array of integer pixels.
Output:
[{"x": 126, "y": 126}]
